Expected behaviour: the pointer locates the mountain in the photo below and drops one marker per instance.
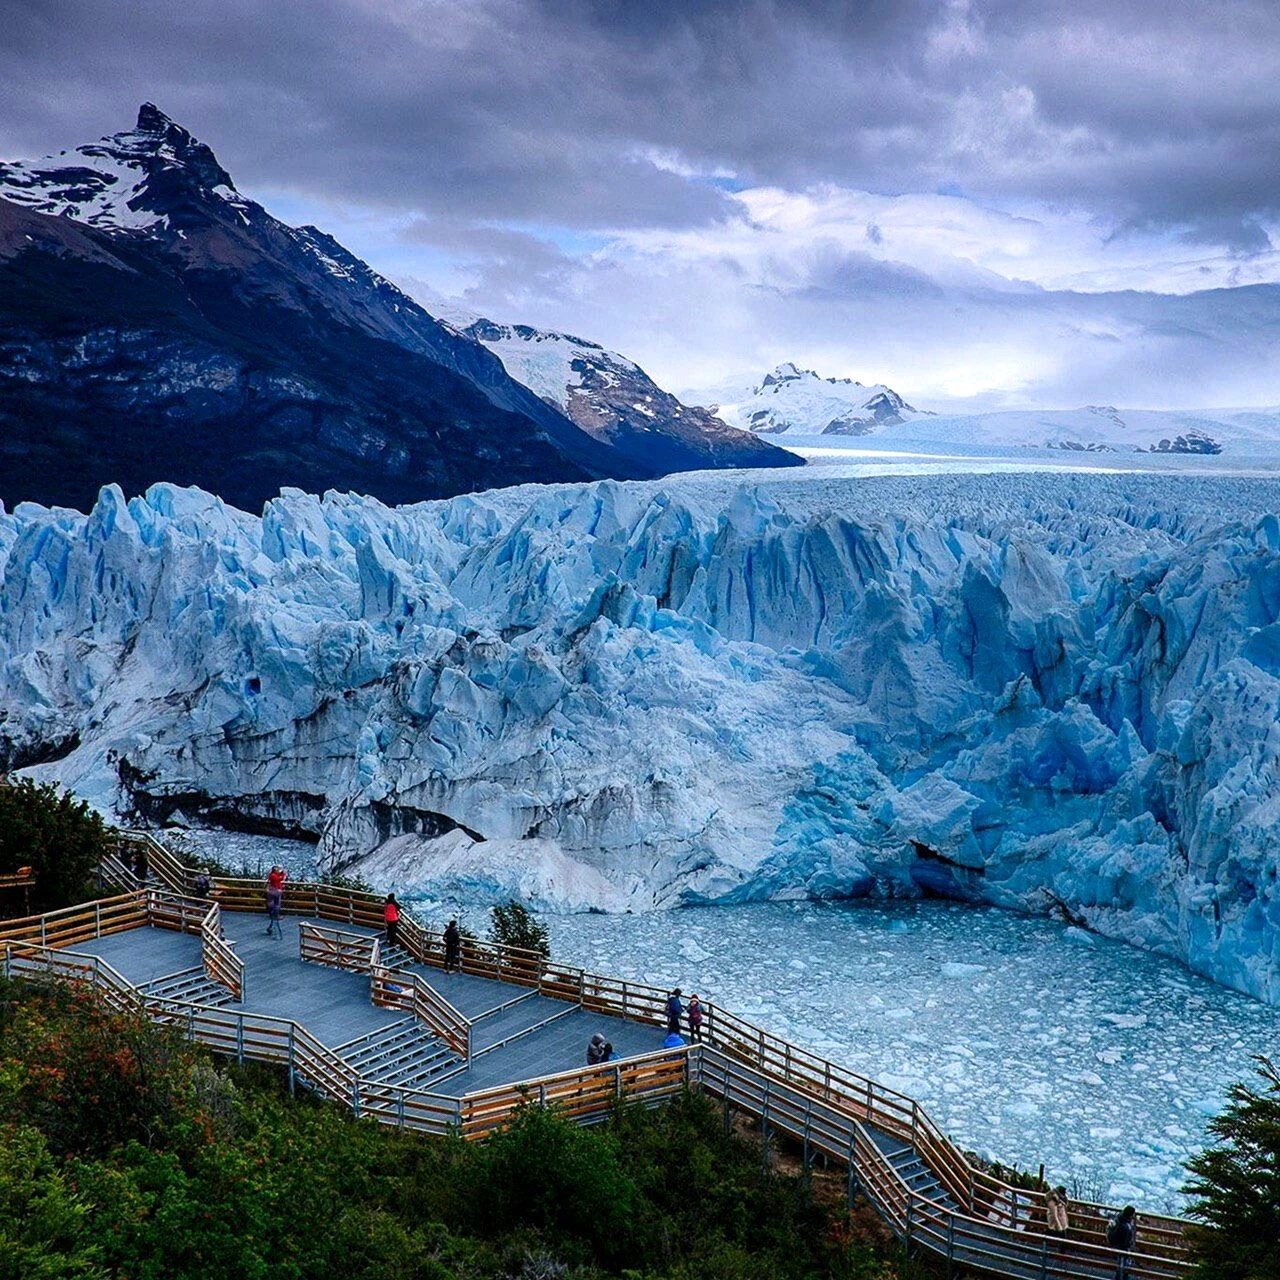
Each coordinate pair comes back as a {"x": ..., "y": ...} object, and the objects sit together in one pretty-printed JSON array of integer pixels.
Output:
[
  {"x": 1098, "y": 428},
  {"x": 155, "y": 324},
  {"x": 614, "y": 401},
  {"x": 795, "y": 401}
]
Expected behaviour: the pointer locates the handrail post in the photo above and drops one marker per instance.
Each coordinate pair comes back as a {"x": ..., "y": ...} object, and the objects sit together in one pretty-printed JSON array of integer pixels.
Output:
[
  {"x": 764, "y": 1130},
  {"x": 1044, "y": 1257},
  {"x": 240, "y": 1039},
  {"x": 97, "y": 919},
  {"x": 951, "y": 1243},
  {"x": 910, "y": 1206},
  {"x": 292, "y": 1070}
]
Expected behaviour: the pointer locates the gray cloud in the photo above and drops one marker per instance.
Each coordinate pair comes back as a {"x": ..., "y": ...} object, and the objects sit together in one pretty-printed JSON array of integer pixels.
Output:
[
  {"x": 538, "y": 109},
  {"x": 509, "y": 135}
]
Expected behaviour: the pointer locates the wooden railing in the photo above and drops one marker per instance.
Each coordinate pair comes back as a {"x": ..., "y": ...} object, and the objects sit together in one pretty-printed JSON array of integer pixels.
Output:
[
  {"x": 896, "y": 1114},
  {"x": 71, "y": 925},
  {"x": 243, "y": 1036},
  {"x": 337, "y": 948},
  {"x": 401, "y": 989},
  {"x": 113, "y": 874},
  {"x": 948, "y": 1231},
  {"x": 584, "y": 1094},
  {"x": 166, "y": 910},
  {"x": 221, "y": 963}
]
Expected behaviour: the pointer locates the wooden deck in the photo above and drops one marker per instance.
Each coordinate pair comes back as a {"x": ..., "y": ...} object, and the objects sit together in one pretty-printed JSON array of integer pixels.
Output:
[
  {"x": 385, "y": 1031},
  {"x": 334, "y": 1004}
]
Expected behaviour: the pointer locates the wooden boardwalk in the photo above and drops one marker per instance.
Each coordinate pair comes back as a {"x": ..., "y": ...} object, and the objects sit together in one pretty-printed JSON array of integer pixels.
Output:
[{"x": 385, "y": 1031}]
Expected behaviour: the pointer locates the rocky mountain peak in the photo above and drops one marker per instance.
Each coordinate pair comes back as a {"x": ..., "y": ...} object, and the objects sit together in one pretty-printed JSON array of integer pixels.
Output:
[{"x": 131, "y": 181}]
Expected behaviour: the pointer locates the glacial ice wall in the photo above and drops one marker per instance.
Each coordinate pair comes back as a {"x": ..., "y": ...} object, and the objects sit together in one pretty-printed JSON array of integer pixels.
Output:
[{"x": 1050, "y": 693}]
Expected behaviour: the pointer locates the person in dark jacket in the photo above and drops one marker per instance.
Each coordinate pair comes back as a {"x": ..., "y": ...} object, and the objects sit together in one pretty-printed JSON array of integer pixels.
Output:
[
  {"x": 1122, "y": 1235},
  {"x": 675, "y": 1012},
  {"x": 452, "y": 948},
  {"x": 596, "y": 1050}
]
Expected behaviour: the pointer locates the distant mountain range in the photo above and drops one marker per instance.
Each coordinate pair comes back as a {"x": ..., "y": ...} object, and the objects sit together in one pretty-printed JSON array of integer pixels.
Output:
[
  {"x": 157, "y": 325},
  {"x": 800, "y": 405}
]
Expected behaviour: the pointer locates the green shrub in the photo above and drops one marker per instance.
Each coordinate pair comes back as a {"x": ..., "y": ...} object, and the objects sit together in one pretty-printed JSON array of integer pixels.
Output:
[
  {"x": 58, "y": 836},
  {"x": 514, "y": 925},
  {"x": 1237, "y": 1186}
]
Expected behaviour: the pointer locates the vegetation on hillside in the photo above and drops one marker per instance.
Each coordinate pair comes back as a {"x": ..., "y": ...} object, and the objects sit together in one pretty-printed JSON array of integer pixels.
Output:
[
  {"x": 55, "y": 834},
  {"x": 1237, "y": 1186},
  {"x": 126, "y": 1152}
]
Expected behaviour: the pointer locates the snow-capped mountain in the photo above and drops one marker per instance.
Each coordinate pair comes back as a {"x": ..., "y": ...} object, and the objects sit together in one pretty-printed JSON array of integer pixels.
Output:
[
  {"x": 799, "y": 402},
  {"x": 614, "y": 401},
  {"x": 1047, "y": 692},
  {"x": 1098, "y": 429},
  {"x": 155, "y": 324}
]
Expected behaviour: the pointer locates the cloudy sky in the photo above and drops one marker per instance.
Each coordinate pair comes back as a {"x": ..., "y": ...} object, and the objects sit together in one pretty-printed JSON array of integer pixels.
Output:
[{"x": 990, "y": 202}]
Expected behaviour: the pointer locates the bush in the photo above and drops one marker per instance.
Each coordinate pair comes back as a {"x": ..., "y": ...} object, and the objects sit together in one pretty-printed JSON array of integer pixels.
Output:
[
  {"x": 60, "y": 837},
  {"x": 1237, "y": 1186},
  {"x": 559, "y": 1179},
  {"x": 515, "y": 926},
  {"x": 93, "y": 1077}
]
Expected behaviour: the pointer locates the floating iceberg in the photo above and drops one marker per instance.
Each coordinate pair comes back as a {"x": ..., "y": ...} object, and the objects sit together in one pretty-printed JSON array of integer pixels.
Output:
[{"x": 1048, "y": 693}]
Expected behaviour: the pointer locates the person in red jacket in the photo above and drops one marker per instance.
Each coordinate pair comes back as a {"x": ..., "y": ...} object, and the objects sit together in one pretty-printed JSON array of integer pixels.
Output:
[
  {"x": 391, "y": 914},
  {"x": 275, "y": 896}
]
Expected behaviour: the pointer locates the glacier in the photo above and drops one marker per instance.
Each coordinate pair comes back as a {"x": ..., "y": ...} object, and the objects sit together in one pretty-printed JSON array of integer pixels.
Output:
[{"x": 1055, "y": 693}]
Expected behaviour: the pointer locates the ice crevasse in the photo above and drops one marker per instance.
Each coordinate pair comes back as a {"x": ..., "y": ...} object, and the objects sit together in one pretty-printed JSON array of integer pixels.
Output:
[{"x": 1049, "y": 693}]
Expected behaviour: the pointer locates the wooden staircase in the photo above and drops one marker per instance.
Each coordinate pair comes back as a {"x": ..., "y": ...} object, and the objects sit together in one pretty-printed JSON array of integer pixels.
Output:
[{"x": 405, "y": 1054}]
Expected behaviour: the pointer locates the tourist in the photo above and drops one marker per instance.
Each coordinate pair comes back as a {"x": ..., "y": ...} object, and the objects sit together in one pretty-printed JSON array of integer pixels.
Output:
[
  {"x": 391, "y": 914},
  {"x": 140, "y": 867},
  {"x": 1055, "y": 1211},
  {"x": 202, "y": 885},
  {"x": 452, "y": 948},
  {"x": 596, "y": 1050},
  {"x": 675, "y": 1011},
  {"x": 609, "y": 1054},
  {"x": 674, "y": 1040},
  {"x": 694, "y": 1015},
  {"x": 275, "y": 896},
  {"x": 1122, "y": 1235}
]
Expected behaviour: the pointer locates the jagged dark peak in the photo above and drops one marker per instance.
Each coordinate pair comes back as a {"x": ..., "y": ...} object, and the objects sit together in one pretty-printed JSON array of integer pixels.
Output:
[
  {"x": 152, "y": 120},
  {"x": 144, "y": 177}
]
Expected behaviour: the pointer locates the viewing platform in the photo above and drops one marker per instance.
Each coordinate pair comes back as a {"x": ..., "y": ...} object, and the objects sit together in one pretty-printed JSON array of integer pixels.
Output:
[{"x": 385, "y": 1031}]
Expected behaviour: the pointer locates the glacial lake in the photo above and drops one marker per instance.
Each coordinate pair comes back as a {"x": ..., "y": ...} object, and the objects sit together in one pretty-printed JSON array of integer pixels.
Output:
[{"x": 1026, "y": 1040}]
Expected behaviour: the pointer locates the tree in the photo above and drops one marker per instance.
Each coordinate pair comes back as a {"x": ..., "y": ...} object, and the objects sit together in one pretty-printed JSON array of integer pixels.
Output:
[
  {"x": 1237, "y": 1186},
  {"x": 514, "y": 926},
  {"x": 58, "y": 836}
]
